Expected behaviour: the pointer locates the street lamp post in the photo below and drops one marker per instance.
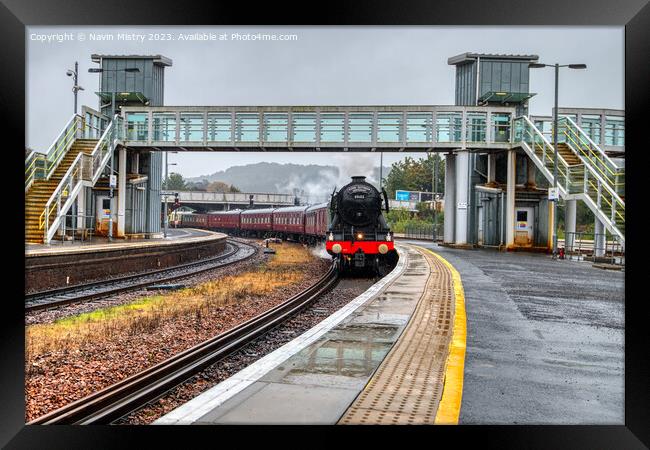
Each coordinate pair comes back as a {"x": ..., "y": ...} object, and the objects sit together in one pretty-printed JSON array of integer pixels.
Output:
[
  {"x": 556, "y": 67},
  {"x": 167, "y": 164},
  {"x": 113, "y": 109},
  {"x": 75, "y": 88}
]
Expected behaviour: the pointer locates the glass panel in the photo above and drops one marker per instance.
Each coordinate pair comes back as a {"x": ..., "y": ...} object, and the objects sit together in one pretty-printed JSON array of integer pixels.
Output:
[
  {"x": 247, "y": 127},
  {"x": 164, "y": 127},
  {"x": 360, "y": 128},
  {"x": 500, "y": 127},
  {"x": 475, "y": 127},
  {"x": 389, "y": 127},
  {"x": 276, "y": 127},
  {"x": 304, "y": 128},
  {"x": 614, "y": 130},
  {"x": 219, "y": 126},
  {"x": 137, "y": 126},
  {"x": 331, "y": 127},
  {"x": 448, "y": 127},
  {"x": 191, "y": 127},
  {"x": 419, "y": 127},
  {"x": 591, "y": 126}
]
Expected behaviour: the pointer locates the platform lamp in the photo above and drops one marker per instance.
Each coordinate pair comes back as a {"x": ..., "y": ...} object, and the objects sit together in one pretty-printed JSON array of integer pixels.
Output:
[
  {"x": 167, "y": 164},
  {"x": 555, "y": 125},
  {"x": 110, "y": 185},
  {"x": 75, "y": 88}
]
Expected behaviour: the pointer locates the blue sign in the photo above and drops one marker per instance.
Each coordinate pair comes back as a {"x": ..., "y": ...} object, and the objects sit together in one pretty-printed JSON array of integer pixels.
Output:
[{"x": 402, "y": 196}]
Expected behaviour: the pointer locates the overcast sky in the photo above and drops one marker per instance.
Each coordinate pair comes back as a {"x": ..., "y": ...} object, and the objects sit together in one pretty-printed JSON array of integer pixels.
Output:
[{"x": 325, "y": 65}]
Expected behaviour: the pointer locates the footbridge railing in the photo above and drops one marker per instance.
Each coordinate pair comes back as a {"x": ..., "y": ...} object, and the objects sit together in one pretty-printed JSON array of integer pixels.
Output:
[{"x": 317, "y": 128}]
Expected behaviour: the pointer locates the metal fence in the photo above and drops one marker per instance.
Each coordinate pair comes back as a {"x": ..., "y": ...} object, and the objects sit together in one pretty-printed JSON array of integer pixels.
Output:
[
  {"x": 77, "y": 227},
  {"x": 431, "y": 231},
  {"x": 581, "y": 245}
]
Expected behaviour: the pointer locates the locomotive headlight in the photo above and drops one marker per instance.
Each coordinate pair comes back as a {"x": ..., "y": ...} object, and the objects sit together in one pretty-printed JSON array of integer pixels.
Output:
[
  {"x": 383, "y": 249},
  {"x": 336, "y": 248},
  {"x": 331, "y": 237},
  {"x": 359, "y": 236},
  {"x": 389, "y": 237}
]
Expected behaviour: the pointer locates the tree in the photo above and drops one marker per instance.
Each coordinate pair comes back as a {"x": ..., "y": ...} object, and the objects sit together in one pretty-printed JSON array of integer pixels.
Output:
[
  {"x": 174, "y": 182},
  {"x": 415, "y": 175},
  {"x": 220, "y": 186}
]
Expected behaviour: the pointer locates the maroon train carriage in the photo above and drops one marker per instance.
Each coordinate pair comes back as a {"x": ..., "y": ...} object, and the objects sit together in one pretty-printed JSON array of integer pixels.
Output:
[
  {"x": 317, "y": 221},
  {"x": 225, "y": 221},
  {"x": 289, "y": 223},
  {"x": 257, "y": 222},
  {"x": 195, "y": 220}
]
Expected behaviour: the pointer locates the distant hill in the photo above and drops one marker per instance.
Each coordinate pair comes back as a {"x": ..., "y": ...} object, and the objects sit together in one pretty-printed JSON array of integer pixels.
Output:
[{"x": 310, "y": 180}]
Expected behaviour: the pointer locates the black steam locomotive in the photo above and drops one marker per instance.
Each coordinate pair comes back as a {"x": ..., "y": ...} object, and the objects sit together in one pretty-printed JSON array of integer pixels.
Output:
[{"x": 358, "y": 235}]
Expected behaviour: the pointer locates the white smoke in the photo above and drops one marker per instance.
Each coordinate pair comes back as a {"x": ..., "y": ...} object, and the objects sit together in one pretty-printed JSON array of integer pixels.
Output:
[{"x": 348, "y": 165}]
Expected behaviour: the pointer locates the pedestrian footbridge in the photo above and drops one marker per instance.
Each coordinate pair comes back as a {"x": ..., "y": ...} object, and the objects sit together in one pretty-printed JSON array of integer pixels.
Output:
[{"x": 82, "y": 151}]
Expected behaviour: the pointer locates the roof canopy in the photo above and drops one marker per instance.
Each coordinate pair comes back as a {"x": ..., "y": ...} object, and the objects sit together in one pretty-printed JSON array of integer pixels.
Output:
[
  {"x": 157, "y": 59},
  {"x": 471, "y": 57}
]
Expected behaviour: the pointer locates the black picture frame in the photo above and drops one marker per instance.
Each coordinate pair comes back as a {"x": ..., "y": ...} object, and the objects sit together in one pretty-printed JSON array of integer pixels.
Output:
[{"x": 634, "y": 15}]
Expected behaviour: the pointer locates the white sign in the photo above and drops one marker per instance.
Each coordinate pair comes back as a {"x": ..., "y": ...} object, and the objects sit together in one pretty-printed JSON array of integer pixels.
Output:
[
  {"x": 112, "y": 180},
  {"x": 461, "y": 205},
  {"x": 553, "y": 194},
  {"x": 168, "y": 194}
]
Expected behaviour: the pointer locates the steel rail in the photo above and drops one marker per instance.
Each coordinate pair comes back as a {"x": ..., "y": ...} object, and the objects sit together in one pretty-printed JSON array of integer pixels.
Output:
[
  {"x": 123, "y": 397},
  {"x": 38, "y": 300}
]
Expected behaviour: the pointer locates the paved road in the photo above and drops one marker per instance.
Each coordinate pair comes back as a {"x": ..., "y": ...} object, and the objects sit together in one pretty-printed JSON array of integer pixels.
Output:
[{"x": 545, "y": 339}]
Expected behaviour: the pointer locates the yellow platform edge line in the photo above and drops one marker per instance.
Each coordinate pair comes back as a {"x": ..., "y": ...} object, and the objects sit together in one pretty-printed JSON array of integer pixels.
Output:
[{"x": 452, "y": 394}]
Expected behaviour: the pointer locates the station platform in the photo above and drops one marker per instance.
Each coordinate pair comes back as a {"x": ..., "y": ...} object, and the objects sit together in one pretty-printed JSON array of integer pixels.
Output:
[
  {"x": 98, "y": 243},
  {"x": 545, "y": 339},
  {"x": 69, "y": 264},
  {"x": 336, "y": 371}
]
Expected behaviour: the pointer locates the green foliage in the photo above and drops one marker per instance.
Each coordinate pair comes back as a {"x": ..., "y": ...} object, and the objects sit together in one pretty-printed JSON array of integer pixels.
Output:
[
  {"x": 174, "y": 181},
  {"x": 401, "y": 218},
  {"x": 415, "y": 175}
]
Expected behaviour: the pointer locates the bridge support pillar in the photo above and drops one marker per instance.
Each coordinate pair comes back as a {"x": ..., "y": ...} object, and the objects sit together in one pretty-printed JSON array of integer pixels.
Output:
[
  {"x": 121, "y": 188},
  {"x": 450, "y": 197},
  {"x": 510, "y": 199},
  {"x": 599, "y": 238},
  {"x": 570, "y": 211},
  {"x": 530, "y": 174},
  {"x": 81, "y": 208},
  {"x": 491, "y": 168},
  {"x": 462, "y": 180}
]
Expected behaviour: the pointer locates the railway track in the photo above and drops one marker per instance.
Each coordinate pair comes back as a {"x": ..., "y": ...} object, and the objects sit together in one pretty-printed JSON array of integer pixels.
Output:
[
  {"x": 235, "y": 252},
  {"x": 115, "y": 401}
]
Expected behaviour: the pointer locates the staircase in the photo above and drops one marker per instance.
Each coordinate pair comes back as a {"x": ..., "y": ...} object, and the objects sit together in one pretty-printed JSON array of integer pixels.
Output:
[
  {"x": 583, "y": 170},
  {"x": 41, "y": 190}
]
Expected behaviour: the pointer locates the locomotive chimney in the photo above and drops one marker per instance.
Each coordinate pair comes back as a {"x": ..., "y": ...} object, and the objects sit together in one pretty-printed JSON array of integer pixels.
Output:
[{"x": 358, "y": 178}]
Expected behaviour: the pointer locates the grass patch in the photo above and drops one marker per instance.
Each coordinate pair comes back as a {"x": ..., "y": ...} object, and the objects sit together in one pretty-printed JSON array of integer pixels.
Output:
[{"x": 148, "y": 314}]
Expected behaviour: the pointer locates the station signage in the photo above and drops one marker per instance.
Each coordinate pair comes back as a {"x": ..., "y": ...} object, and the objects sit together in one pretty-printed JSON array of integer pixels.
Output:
[
  {"x": 413, "y": 196},
  {"x": 461, "y": 205},
  {"x": 553, "y": 194},
  {"x": 112, "y": 180},
  {"x": 402, "y": 196}
]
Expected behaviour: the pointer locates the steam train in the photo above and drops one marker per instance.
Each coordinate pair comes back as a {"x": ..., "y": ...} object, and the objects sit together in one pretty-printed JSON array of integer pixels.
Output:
[{"x": 351, "y": 224}]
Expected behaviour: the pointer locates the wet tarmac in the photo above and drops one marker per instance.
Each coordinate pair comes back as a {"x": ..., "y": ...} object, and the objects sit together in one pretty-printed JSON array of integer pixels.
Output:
[{"x": 545, "y": 339}]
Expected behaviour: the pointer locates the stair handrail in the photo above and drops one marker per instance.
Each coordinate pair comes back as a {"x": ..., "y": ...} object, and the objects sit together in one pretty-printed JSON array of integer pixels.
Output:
[
  {"x": 617, "y": 205},
  {"x": 34, "y": 161},
  {"x": 547, "y": 144},
  {"x": 76, "y": 170},
  {"x": 55, "y": 152},
  {"x": 592, "y": 149}
]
